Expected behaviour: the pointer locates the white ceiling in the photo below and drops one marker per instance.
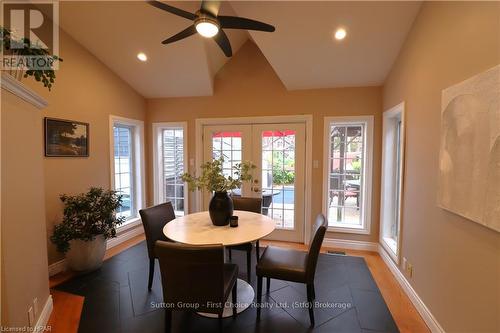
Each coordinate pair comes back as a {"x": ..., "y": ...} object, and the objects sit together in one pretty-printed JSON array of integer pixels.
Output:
[{"x": 301, "y": 50}]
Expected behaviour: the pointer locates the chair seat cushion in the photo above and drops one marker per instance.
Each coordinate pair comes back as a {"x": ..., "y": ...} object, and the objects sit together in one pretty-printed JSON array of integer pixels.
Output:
[
  {"x": 241, "y": 247},
  {"x": 283, "y": 264},
  {"x": 230, "y": 276}
]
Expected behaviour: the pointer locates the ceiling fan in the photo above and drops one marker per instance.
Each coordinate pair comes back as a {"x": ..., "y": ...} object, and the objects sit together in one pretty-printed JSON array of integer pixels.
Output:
[{"x": 209, "y": 24}]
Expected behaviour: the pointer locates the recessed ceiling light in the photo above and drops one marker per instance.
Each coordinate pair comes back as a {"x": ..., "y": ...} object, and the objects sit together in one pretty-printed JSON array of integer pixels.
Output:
[
  {"x": 142, "y": 56},
  {"x": 340, "y": 34}
]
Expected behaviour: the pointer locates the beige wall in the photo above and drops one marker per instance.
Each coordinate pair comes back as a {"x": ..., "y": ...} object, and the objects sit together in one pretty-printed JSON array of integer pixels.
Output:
[
  {"x": 85, "y": 90},
  {"x": 456, "y": 261},
  {"x": 248, "y": 86},
  {"x": 24, "y": 252}
]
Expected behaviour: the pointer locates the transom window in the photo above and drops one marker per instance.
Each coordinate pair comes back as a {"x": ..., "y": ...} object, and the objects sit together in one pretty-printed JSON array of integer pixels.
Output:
[{"x": 348, "y": 143}]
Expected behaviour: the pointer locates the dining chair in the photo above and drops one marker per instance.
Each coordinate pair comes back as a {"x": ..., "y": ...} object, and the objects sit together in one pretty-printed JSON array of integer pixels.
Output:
[
  {"x": 153, "y": 220},
  {"x": 196, "y": 276},
  {"x": 250, "y": 205},
  {"x": 292, "y": 265}
]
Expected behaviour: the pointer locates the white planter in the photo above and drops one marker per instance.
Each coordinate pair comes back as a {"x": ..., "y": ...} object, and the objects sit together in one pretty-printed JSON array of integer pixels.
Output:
[{"x": 86, "y": 256}]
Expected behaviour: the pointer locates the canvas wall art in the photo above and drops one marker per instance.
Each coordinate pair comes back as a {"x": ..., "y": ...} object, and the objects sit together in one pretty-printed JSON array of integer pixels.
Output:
[
  {"x": 66, "y": 138},
  {"x": 469, "y": 166}
]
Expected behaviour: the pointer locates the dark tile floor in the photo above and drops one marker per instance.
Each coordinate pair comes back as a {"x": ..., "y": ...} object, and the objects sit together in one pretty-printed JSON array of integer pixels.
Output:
[{"x": 117, "y": 300}]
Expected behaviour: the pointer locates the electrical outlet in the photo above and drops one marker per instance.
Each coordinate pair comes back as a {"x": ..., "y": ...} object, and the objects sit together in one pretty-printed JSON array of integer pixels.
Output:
[
  {"x": 409, "y": 270},
  {"x": 35, "y": 306},
  {"x": 31, "y": 317}
]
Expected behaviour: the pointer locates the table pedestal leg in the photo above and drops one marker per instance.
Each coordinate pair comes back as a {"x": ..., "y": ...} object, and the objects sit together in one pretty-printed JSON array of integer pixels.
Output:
[{"x": 244, "y": 300}]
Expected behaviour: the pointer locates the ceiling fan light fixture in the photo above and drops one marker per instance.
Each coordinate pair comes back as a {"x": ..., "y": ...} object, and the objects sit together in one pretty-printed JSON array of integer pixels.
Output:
[{"x": 207, "y": 27}]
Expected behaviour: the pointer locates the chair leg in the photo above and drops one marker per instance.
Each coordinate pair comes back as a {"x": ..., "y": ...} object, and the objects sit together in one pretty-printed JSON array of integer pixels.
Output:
[
  {"x": 268, "y": 285},
  {"x": 249, "y": 266},
  {"x": 151, "y": 273},
  {"x": 221, "y": 327},
  {"x": 168, "y": 320},
  {"x": 235, "y": 298},
  {"x": 257, "y": 250},
  {"x": 310, "y": 299},
  {"x": 313, "y": 291},
  {"x": 230, "y": 254},
  {"x": 259, "y": 296}
]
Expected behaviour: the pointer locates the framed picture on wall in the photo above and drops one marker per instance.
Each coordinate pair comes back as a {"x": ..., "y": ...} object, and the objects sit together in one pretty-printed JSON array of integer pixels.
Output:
[{"x": 66, "y": 138}]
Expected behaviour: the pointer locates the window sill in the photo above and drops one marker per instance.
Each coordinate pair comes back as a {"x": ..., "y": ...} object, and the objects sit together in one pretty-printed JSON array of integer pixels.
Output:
[
  {"x": 129, "y": 224},
  {"x": 349, "y": 229}
]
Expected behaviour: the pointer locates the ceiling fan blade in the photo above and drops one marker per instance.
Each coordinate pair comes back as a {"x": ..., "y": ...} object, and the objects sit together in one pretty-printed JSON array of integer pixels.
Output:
[
  {"x": 191, "y": 30},
  {"x": 211, "y": 7},
  {"x": 223, "y": 42},
  {"x": 233, "y": 22},
  {"x": 173, "y": 10}
]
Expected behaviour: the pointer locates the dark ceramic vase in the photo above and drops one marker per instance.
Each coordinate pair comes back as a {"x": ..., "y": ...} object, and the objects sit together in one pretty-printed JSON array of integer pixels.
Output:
[{"x": 220, "y": 208}]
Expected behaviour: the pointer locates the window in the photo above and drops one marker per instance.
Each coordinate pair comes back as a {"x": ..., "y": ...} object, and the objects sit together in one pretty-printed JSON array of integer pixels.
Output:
[
  {"x": 392, "y": 180},
  {"x": 126, "y": 165},
  {"x": 124, "y": 170},
  {"x": 347, "y": 173},
  {"x": 170, "y": 154}
]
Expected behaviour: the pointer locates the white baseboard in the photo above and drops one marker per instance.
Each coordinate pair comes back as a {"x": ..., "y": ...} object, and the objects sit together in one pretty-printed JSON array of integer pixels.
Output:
[
  {"x": 424, "y": 311},
  {"x": 61, "y": 266},
  {"x": 350, "y": 244},
  {"x": 124, "y": 236},
  {"x": 42, "y": 321}
]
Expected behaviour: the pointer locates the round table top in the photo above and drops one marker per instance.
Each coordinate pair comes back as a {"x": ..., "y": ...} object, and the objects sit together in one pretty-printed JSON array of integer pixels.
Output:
[{"x": 197, "y": 229}]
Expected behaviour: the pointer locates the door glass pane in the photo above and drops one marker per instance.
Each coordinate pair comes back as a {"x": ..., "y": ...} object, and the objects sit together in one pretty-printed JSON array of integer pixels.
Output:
[
  {"x": 227, "y": 145},
  {"x": 278, "y": 177},
  {"x": 346, "y": 174}
]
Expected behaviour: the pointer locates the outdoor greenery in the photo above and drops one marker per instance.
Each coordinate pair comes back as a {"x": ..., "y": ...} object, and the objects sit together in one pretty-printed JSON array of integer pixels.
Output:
[
  {"x": 283, "y": 167},
  {"x": 212, "y": 178},
  {"x": 87, "y": 215},
  {"x": 24, "y": 48}
]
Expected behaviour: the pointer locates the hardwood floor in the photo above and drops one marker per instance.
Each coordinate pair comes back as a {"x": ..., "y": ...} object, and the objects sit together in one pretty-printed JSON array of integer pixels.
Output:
[
  {"x": 67, "y": 307},
  {"x": 65, "y": 316}
]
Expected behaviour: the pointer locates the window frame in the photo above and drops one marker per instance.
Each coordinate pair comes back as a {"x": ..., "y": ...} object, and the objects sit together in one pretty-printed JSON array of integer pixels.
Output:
[
  {"x": 391, "y": 118},
  {"x": 157, "y": 139},
  {"x": 138, "y": 185},
  {"x": 366, "y": 191}
]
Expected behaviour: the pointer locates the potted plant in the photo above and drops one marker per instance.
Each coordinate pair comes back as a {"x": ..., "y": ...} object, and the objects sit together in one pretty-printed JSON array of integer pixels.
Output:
[
  {"x": 213, "y": 180},
  {"x": 89, "y": 220}
]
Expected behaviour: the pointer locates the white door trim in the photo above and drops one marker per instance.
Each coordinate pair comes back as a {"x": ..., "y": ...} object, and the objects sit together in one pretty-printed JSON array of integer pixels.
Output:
[{"x": 307, "y": 119}]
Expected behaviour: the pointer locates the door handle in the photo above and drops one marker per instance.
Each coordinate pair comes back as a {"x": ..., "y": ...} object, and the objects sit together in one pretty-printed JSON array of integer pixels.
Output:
[{"x": 256, "y": 189}]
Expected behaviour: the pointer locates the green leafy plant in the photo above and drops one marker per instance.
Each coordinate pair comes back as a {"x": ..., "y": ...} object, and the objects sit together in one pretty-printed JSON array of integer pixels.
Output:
[
  {"x": 24, "y": 48},
  {"x": 212, "y": 177},
  {"x": 87, "y": 215}
]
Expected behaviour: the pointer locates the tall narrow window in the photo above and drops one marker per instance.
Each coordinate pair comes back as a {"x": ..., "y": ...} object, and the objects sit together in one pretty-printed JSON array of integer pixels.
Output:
[
  {"x": 348, "y": 153},
  {"x": 127, "y": 147},
  {"x": 392, "y": 180},
  {"x": 170, "y": 160},
  {"x": 124, "y": 169}
]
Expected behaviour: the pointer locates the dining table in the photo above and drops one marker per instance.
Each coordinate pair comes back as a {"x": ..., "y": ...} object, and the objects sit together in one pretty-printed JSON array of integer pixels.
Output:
[{"x": 198, "y": 229}]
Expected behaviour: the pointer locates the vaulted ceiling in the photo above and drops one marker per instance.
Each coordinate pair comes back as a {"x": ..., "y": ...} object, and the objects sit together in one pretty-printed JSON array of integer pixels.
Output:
[{"x": 302, "y": 50}]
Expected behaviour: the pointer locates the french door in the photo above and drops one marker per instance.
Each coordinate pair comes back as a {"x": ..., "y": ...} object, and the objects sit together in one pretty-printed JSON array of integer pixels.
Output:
[{"x": 278, "y": 151}]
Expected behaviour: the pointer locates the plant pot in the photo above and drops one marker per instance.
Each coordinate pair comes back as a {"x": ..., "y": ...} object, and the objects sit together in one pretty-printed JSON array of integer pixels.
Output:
[
  {"x": 85, "y": 256},
  {"x": 220, "y": 208}
]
